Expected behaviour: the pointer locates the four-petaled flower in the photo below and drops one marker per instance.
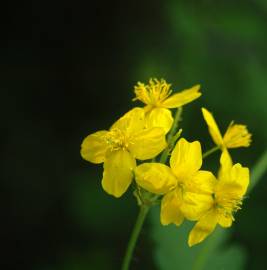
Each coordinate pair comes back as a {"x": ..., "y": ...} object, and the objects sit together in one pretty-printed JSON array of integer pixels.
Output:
[
  {"x": 235, "y": 136},
  {"x": 187, "y": 189},
  {"x": 158, "y": 99},
  {"x": 128, "y": 139},
  {"x": 229, "y": 190}
]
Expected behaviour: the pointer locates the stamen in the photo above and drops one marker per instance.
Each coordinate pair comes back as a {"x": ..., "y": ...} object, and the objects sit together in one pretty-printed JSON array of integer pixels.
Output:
[
  {"x": 116, "y": 139},
  {"x": 228, "y": 204},
  {"x": 237, "y": 136},
  {"x": 153, "y": 93}
]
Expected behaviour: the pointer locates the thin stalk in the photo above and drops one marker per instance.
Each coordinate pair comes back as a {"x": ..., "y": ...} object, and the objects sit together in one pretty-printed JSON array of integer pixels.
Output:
[
  {"x": 177, "y": 118},
  {"x": 209, "y": 152},
  {"x": 258, "y": 170},
  {"x": 134, "y": 236}
]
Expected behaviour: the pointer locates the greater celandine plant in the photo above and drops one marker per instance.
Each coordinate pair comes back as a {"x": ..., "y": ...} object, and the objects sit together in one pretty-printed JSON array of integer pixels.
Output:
[{"x": 170, "y": 172}]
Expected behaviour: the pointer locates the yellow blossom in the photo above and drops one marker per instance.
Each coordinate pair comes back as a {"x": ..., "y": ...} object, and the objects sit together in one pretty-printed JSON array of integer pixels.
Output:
[
  {"x": 126, "y": 141},
  {"x": 158, "y": 99},
  {"x": 186, "y": 189},
  {"x": 235, "y": 136},
  {"x": 229, "y": 190}
]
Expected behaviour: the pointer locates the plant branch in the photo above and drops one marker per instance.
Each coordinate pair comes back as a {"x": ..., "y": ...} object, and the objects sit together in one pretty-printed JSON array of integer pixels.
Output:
[{"x": 134, "y": 236}]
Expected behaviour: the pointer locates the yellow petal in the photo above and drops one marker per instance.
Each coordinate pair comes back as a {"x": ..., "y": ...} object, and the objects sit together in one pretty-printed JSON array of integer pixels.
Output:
[
  {"x": 226, "y": 161},
  {"x": 225, "y": 220},
  {"x": 148, "y": 143},
  {"x": 203, "y": 228},
  {"x": 170, "y": 209},
  {"x": 155, "y": 177},
  {"x": 237, "y": 136},
  {"x": 225, "y": 165},
  {"x": 118, "y": 172},
  {"x": 186, "y": 158},
  {"x": 233, "y": 179},
  {"x": 132, "y": 121},
  {"x": 240, "y": 176},
  {"x": 203, "y": 182},
  {"x": 213, "y": 128},
  {"x": 94, "y": 147},
  {"x": 197, "y": 194},
  {"x": 159, "y": 117},
  {"x": 182, "y": 98},
  {"x": 194, "y": 205}
]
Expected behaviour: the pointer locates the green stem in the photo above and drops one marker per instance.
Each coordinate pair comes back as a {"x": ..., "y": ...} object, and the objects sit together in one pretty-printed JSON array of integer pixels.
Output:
[
  {"x": 177, "y": 118},
  {"x": 209, "y": 152},
  {"x": 258, "y": 170},
  {"x": 134, "y": 236}
]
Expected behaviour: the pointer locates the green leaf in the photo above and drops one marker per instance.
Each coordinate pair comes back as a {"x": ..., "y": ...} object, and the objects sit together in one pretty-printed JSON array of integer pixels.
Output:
[{"x": 172, "y": 251}]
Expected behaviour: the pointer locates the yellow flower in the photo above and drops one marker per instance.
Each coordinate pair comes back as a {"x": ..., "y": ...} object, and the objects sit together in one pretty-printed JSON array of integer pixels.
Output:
[
  {"x": 235, "y": 136},
  {"x": 158, "y": 99},
  {"x": 118, "y": 148},
  {"x": 229, "y": 190},
  {"x": 187, "y": 189}
]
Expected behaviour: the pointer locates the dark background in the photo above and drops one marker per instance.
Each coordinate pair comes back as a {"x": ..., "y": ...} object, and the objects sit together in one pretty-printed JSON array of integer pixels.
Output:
[{"x": 68, "y": 69}]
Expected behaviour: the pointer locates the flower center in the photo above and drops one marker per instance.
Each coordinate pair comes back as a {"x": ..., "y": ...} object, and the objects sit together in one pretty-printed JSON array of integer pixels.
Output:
[
  {"x": 180, "y": 189},
  {"x": 228, "y": 204},
  {"x": 153, "y": 93},
  {"x": 116, "y": 139}
]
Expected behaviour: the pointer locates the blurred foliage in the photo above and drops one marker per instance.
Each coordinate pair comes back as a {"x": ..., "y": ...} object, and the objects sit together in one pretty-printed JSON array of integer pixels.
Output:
[{"x": 172, "y": 251}]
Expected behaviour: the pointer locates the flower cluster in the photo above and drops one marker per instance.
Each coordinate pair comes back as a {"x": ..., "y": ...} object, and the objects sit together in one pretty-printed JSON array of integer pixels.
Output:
[{"x": 184, "y": 190}]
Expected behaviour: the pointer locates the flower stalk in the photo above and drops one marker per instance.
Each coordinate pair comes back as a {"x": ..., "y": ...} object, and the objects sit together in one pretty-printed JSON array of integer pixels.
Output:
[
  {"x": 172, "y": 136},
  {"x": 211, "y": 151},
  {"x": 134, "y": 236}
]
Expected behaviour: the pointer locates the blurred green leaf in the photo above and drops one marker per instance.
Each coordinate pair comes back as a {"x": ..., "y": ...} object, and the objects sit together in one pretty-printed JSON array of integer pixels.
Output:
[
  {"x": 172, "y": 251},
  {"x": 245, "y": 25}
]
